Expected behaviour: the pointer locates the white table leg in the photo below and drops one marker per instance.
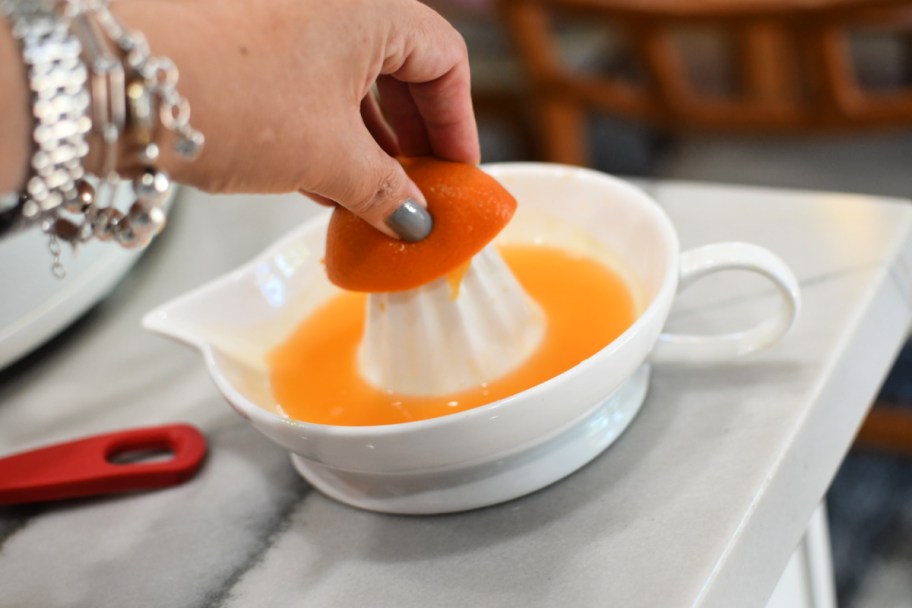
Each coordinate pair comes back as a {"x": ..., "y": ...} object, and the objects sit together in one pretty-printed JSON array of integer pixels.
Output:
[{"x": 807, "y": 581}]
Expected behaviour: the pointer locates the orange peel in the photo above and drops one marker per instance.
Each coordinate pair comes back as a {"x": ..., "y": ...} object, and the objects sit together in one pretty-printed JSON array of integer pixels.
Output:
[{"x": 469, "y": 208}]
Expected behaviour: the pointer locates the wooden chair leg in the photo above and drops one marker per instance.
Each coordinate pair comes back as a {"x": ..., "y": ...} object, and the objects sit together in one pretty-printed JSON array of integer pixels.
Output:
[
  {"x": 562, "y": 132},
  {"x": 887, "y": 428}
]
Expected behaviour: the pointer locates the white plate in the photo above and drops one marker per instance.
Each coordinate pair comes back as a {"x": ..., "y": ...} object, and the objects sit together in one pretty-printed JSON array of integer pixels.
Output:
[{"x": 34, "y": 305}]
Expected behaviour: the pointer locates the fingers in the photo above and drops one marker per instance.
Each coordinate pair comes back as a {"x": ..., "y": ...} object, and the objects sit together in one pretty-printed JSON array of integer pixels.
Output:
[
  {"x": 374, "y": 186},
  {"x": 318, "y": 198},
  {"x": 378, "y": 127},
  {"x": 404, "y": 117},
  {"x": 427, "y": 92},
  {"x": 424, "y": 86},
  {"x": 445, "y": 105}
]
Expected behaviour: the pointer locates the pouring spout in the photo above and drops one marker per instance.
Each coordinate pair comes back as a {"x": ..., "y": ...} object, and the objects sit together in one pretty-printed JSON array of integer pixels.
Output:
[{"x": 164, "y": 322}]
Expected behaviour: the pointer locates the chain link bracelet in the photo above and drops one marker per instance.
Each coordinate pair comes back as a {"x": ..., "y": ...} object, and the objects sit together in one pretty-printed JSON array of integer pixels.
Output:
[
  {"x": 70, "y": 52},
  {"x": 57, "y": 85}
]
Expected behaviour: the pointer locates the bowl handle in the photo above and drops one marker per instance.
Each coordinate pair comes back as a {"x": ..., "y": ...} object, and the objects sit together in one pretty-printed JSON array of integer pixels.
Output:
[{"x": 701, "y": 261}]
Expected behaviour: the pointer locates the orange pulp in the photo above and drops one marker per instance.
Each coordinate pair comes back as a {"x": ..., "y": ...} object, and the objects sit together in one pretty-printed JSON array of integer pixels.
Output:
[{"x": 314, "y": 373}]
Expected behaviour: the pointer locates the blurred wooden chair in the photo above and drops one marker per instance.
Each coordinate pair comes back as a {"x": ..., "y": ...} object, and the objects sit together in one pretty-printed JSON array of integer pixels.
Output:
[
  {"x": 787, "y": 69},
  {"x": 498, "y": 90},
  {"x": 888, "y": 427},
  {"x": 790, "y": 71}
]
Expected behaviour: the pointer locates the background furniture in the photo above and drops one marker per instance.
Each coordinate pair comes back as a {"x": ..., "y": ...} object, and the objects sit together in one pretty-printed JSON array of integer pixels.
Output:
[{"x": 782, "y": 66}]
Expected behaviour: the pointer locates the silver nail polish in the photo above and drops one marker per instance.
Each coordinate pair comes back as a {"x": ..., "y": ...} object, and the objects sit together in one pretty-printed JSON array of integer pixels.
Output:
[{"x": 411, "y": 221}]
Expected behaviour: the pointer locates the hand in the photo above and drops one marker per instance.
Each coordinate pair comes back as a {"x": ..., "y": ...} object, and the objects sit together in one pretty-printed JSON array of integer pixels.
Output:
[{"x": 282, "y": 91}]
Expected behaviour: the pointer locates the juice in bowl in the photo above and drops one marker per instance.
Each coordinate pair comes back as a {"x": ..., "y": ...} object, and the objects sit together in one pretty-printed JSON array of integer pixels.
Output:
[
  {"x": 428, "y": 456},
  {"x": 315, "y": 377}
]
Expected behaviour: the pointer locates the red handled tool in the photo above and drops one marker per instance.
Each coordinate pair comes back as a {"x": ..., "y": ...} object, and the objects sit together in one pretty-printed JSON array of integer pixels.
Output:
[{"x": 88, "y": 467}]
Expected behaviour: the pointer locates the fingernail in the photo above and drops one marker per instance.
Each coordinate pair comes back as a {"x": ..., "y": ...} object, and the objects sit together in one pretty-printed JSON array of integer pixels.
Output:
[{"x": 410, "y": 221}]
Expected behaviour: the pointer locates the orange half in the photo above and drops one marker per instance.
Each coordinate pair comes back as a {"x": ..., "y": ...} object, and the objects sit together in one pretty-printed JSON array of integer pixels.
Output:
[{"x": 469, "y": 208}]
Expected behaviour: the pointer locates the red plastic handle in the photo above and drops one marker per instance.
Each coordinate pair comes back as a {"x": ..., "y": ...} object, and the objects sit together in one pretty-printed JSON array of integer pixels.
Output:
[{"x": 84, "y": 467}]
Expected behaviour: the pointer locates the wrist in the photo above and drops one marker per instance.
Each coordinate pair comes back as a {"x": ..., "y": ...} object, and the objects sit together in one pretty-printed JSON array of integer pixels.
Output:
[{"x": 15, "y": 114}]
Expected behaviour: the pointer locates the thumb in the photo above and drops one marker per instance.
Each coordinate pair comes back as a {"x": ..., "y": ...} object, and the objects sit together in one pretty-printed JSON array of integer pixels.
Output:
[{"x": 374, "y": 186}]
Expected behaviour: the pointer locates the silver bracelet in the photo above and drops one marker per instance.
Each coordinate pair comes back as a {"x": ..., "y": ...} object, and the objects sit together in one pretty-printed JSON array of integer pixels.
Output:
[
  {"x": 57, "y": 83},
  {"x": 152, "y": 100},
  {"x": 107, "y": 83},
  {"x": 158, "y": 77},
  {"x": 133, "y": 97}
]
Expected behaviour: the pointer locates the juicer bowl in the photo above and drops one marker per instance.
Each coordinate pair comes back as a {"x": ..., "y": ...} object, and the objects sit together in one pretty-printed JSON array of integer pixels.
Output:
[{"x": 504, "y": 449}]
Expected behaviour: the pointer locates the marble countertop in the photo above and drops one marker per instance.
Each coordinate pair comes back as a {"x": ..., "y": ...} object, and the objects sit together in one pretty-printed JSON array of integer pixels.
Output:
[{"x": 699, "y": 503}]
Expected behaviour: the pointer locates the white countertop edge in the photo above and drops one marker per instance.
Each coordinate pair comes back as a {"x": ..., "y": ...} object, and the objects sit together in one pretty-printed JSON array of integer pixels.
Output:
[{"x": 753, "y": 560}]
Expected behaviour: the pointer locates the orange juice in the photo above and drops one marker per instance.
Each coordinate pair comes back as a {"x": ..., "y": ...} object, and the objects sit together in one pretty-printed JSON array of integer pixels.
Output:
[{"x": 314, "y": 373}]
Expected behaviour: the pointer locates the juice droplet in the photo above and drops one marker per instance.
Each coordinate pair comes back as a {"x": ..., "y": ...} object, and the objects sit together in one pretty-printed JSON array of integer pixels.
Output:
[{"x": 454, "y": 279}]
